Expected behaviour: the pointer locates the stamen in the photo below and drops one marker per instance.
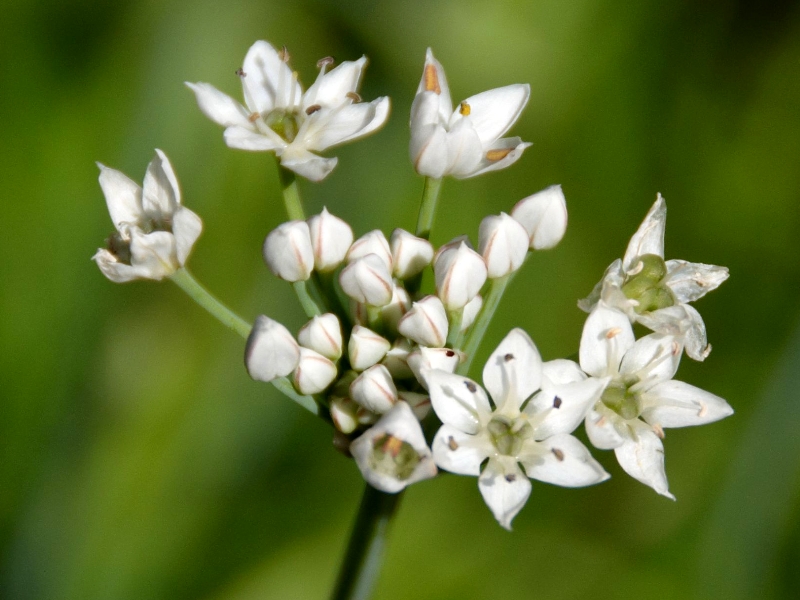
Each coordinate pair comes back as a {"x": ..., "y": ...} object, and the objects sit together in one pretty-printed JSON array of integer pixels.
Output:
[
  {"x": 452, "y": 444},
  {"x": 465, "y": 109},
  {"x": 508, "y": 357},
  {"x": 449, "y": 354},
  {"x": 557, "y": 402},
  {"x": 294, "y": 88},
  {"x": 601, "y": 421},
  {"x": 658, "y": 430},
  {"x": 471, "y": 386},
  {"x": 312, "y": 109},
  {"x": 613, "y": 332},
  {"x": 559, "y": 454},
  {"x": 353, "y": 96},
  {"x": 510, "y": 478},
  {"x": 676, "y": 348},
  {"x": 324, "y": 63},
  {"x": 254, "y": 117},
  {"x": 637, "y": 269},
  {"x": 703, "y": 410},
  {"x": 240, "y": 72},
  {"x": 495, "y": 155},
  {"x": 431, "y": 78},
  {"x": 283, "y": 54}
]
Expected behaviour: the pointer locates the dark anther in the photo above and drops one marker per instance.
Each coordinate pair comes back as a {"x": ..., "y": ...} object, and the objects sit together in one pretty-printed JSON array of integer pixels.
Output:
[
  {"x": 471, "y": 386},
  {"x": 284, "y": 54},
  {"x": 353, "y": 96},
  {"x": 511, "y": 477},
  {"x": 451, "y": 443},
  {"x": 556, "y": 402},
  {"x": 450, "y": 354},
  {"x": 312, "y": 109},
  {"x": 240, "y": 72},
  {"x": 508, "y": 357},
  {"x": 558, "y": 453}
]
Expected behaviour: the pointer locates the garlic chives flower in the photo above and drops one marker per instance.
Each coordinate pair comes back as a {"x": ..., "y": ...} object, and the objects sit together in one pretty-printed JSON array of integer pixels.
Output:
[
  {"x": 277, "y": 116},
  {"x": 468, "y": 141},
  {"x": 154, "y": 231}
]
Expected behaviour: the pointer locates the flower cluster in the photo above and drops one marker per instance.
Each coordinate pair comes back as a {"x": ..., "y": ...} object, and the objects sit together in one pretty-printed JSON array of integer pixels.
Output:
[{"x": 378, "y": 352}]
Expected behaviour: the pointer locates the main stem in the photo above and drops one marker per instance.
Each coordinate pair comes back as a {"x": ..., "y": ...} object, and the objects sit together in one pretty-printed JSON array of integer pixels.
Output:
[
  {"x": 427, "y": 208},
  {"x": 291, "y": 195},
  {"x": 362, "y": 561}
]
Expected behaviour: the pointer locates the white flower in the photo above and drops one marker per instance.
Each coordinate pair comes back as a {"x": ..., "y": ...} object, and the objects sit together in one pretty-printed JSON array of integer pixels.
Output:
[
  {"x": 314, "y": 372},
  {"x": 544, "y": 217},
  {"x": 373, "y": 242},
  {"x": 532, "y": 433},
  {"x": 393, "y": 454},
  {"x": 641, "y": 398},
  {"x": 323, "y": 334},
  {"x": 503, "y": 243},
  {"x": 155, "y": 233},
  {"x": 366, "y": 348},
  {"x": 374, "y": 389},
  {"x": 655, "y": 292},
  {"x": 410, "y": 254},
  {"x": 460, "y": 273},
  {"x": 277, "y": 116},
  {"x": 465, "y": 142},
  {"x": 271, "y": 350},
  {"x": 367, "y": 280},
  {"x": 426, "y": 322},
  {"x": 288, "y": 251},
  {"x": 330, "y": 239}
]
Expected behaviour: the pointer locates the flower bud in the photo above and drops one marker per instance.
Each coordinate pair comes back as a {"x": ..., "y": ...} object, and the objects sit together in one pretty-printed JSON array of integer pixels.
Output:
[
  {"x": 544, "y": 217},
  {"x": 271, "y": 350},
  {"x": 410, "y": 254},
  {"x": 426, "y": 322},
  {"x": 394, "y": 311},
  {"x": 432, "y": 358},
  {"x": 374, "y": 389},
  {"x": 460, "y": 274},
  {"x": 288, "y": 252},
  {"x": 393, "y": 453},
  {"x": 314, "y": 372},
  {"x": 359, "y": 312},
  {"x": 367, "y": 280},
  {"x": 419, "y": 403},
  {"x": 396, "y": 359},
  {"x": 331, "y": 238},
  {"x": 366, "y": 348},
  {"x": 373, "y": 242},
  {"x": 452, "y": 245},
  {"x": 322, "y": 334},
  {"x": 471, "y": 311},
  {"x": 503, "y": 243},
  {"x": 344, "y": 414}
]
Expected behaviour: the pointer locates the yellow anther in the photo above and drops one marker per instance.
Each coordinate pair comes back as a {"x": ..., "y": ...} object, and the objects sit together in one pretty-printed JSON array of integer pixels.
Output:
[
  {"x": 613, "y": 332},
  {"x": 312, "y": 109},
  {"x": 283, "y": 54},
  {"x": 353, "y": 96},
  {"x": 465, "y": 109},
  {"x": 659, "y": 431},
  {"x": 432, "y": 80},
  {"x": 253, "y": 117},
  {"x": 495, "y": 155}
]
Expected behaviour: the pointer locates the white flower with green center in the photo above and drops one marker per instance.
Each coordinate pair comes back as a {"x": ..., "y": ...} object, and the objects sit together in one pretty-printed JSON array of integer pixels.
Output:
[
  {"x": 277, "y": 116},
  {"x": 641, "y": 398},
  {"x": 468, "y": 141},
  {"x": 155, "y": 232},
  {"x": 655, "y": 292},
  {"x": 521, "y": 429}
]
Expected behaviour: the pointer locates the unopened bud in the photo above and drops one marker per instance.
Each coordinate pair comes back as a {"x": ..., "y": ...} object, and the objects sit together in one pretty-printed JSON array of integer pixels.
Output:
[
  {"x": 426, "y": 322},
  {"x": 373, "y": 242},
  {"x": 410, "y": 254},
  {"x": 419, "y": 403},
  {"x": 396, "y": 359},
  {"x": 374, "y": 389},
  {"x": 366, "y": 348},
  {"x": 323, "y": 334},
  {"x": 343, "y": 414},
  {"x": 503, "y": 243},
  {"x": 460, "y": 274},
  {"x": 544, "y": 217},
  {"x": 288, "y": 252},
  {"x": 423, "y": 358},
  {"x": 367, "y": 280},
  {"x": 471, "y": 311},
  {"x": 271, "y": 350},
  {"x": 392, "y": 313},
  {"x": 331, "y": 238},
  {"x": 314, "y": 372}
]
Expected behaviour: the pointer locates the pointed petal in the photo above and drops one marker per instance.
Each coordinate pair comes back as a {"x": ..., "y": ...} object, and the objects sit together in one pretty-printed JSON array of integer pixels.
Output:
[
  {"x": 562, "y": 460},
  {"x": 160, "y": 192},
  {"x": 684, "y": 323},
  {"x": 499, "y": 155},
  {"x": 153, "y": 254},
  {"x": 245, "y": 139},
  {"x": 459, "y": 452},
  {"x": 601, "y": 428},
  {"x": 219, "y": 107},
  {"x": 649, "y": 238},
  {"x": 464, "y": 150},
  {"x": 678, "y": 404},
  {"x": 308, "y": 165},
  {"x": 434, "y": 80},
  {"x": 113, "y": 269},
  {"x": 643, "y": 459},
  {"x": 690, "y": 281},
  {"x": 271, "y": 350},
  {"x": 504, "y": 488},
  {"x": 268, "y": 81},
  {"x": 428, "y": 145},
  {"x": 607, "y": 336},
  {"x": 325, "y": 129},
  {"x": 513, "y": 371},
  {"x": 331, "y": 88},
  {"x": 615, "y": 274},
  {"x": 695, "y": 339},
  {"x": 654, "y": 358},
  {"x": 123, "y": 196},
  {"x": 494, "y": 112},
  {"x": 564, "y": 405},
  {"x": 457, "y": 401},
  {"x": 186, "y": 227}
]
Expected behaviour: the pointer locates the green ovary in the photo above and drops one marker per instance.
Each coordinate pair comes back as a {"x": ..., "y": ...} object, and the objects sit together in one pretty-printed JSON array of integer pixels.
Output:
[
  {"x": 394, "y": 457},
  {"x": 508, "y": 434},
  {"x": 618, "y": 398},
  {"x": 647, "y": 287}
]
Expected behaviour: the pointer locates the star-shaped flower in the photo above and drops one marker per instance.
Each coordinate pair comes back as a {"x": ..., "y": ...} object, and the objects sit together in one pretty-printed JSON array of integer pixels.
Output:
[
  {"x": 641, "y": 398},
  {"x": 155, "y": 233},
  {"x": 655, "y": 292},
  {"x": 277, "y": 116},
  {"x": 521, "y": 429},
  {"x": 468, "y": 141}
]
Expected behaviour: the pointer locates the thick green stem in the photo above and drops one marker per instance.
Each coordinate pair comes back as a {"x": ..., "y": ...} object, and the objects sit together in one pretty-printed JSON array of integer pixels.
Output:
[
  {"x": 291, "y": 195},
  {"x": 195, "y": 290},
  {"x": 490, "y": 303},
  {"x": 364, "y": 556},
  {"x": 427, "y": 208}
]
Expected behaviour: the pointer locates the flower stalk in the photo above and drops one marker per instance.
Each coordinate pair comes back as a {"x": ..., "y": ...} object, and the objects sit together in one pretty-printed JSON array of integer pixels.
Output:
[
  {"x": 427, "y": 208},
  {"x": 291, "y": 195}
]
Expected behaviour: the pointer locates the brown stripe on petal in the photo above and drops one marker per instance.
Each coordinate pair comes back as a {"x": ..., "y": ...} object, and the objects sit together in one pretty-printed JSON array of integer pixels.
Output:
[
  {"x": 431, "y": 78},
  {"x": 495, "y": 155}
]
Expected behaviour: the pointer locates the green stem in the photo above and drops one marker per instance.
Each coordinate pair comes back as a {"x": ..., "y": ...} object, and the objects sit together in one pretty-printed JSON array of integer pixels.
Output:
[
  {"x": 454, "y": 328},
  {"x": 427, "y": 208},
  {"x": 364, "y": 556},
  {"x": 490, "y": 303},
  {"x": 195, "y": 290},
  {"x": 291, "y": 195},
  {"x": 306, "y": 290}
]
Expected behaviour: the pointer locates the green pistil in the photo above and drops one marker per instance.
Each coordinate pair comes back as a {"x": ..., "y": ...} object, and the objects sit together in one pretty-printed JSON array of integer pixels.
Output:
[
  {"x": 618, "y": 398},
  {"x": 647, "y": 287},
  {"x": 284, "y": 124},
  {"x": 394, "y": 457},
  {"x": 508, "y": 434}
]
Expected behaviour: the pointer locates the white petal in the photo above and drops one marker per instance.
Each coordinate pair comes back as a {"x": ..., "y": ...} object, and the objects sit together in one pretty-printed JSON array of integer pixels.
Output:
[
  {"x": 434, "y": 80},
  {"x": 219, "y": 107},
  {"x": 331, "y": 238},
  {"x": 613, "y": 275},
  {"x": 153, "y": 254},
  {"x": 428, "y": 150},
  {"x": 601, "y": 428},
  {"x": 464, "y": 150},
  {"x": 268, "y": 80},
  {"x": 380, "y": 114},
  {"x": 564, "y": 406},
  {"x": 513, "y": 372},
  {"x": 323, "y": 334},
  {"x": 654, "y": 358},
  {"x": 410, "y": 254},
  {"x": 368, "y": 280},
  {"x": 308, "y": 165},
  {"x": 695, "y": 340},
  {"x": 160, "y": 192},
  {"x": 187, "y": 227},
  {"x": 562, "y": 460},
  {"x": 649, "y": 238},
  {"x": 683, "y": 322},
  {"x": 471, "y": 310},
  {"x": 460, "y": 274},
  {"x": 561, "y": 372},
  {"x": 544, "y": 217},
  {"x": 331, "y": 88},
  {"x": 457, "y": 401},
  {"x": 607, "y": 336},
  {"x": 373, "y": 242},
  {"x": 426, "y": 323},
  {"x": 423, "y": 358},
  {"x": 123, "y": 196},
  {"x": 116, "y": 271},
  {"x": 246, "y": 139},
  {"x": 314, "y": 372},
  {"x": 504, "y": 488},
  {"x": 328, "y": 128},
  {"x": 374, "y": 389},
  {"x": 425, "y": 112},
  {"x": 643, "y": 459},
  {"x": 494, "y": 112},
  {"x": 678, "y": 404},
  {"x": 499, "y": 155},
  {"x": 419, "y": 403},
  {"x": 366, "y": 348},
  {"x": 503, "y": 242},
  {"x": 288, "y": 253},
  {"x": 690, "y": 281},
  {"x": 271, "y": 350},
  {"x": 459, "y": 452}
]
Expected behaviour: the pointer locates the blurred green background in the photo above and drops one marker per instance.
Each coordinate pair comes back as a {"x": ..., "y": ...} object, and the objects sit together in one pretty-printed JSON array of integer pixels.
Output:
[{"x": 138, "y": 460}]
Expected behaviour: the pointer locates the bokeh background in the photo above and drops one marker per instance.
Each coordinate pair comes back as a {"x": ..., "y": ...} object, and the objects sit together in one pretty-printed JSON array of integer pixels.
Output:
[{"x": 138, "y": 460}]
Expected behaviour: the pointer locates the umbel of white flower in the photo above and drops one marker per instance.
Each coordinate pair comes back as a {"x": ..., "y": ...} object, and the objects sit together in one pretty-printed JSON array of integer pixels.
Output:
[
  {"x": 469, "y": 140},
  {"x": 511, "y": 433},
  {"x": 641, "y": 398},
  {"x": 655, "y": 292},
  {"x": 155, "y": 232},
  {"x": 278, "y": 117}
]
